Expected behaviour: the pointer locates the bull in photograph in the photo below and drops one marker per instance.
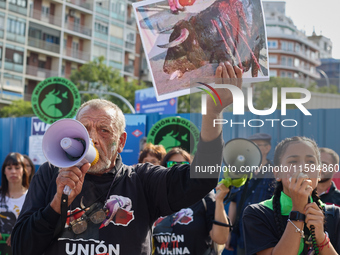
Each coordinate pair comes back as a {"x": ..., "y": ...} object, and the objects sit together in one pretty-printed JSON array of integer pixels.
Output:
[{"x": 219, "y": 33}]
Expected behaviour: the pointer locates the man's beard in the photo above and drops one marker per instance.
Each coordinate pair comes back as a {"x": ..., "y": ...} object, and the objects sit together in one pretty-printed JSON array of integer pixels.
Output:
[
  {"x": 324, "y": 180},
  {"x": 103, "y": 163}
]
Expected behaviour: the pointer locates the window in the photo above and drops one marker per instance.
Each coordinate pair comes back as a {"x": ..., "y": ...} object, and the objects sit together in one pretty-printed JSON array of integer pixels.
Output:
[
  {"x": 272, "y": 73},
  {"x": 289, "y": 75},
  {"x": 272, "y": 59},
  {"x": 284, "y": 45},
  {"x": 118, "y": 7},
  {"x": 0, "y": 53},
  {"x": 290, "y": 46},
  {"x": 296, "y": 62},
  {"x": 283, "y": 73},
  {"x": 130, "y": 36},
  {"x": 99, "y": 50},
  {"x": 41, "y": 64},
  {"x": 51, "y": 39},
  {"x": 101, "y": 28},
  {"x": 2, "y": 22},
  {"x": 283, "y": 61},
  {"x": 75, "y": 45},
  {"x": 290, "y": 62},
  {"x": 21, "y": 3},
  {"x": 116, "y": 54},
  {"x": 297, "y": 47},
  {"x": 76, "y": 21},
  {"x": 45, "y": 11},
  {"x": 15, "y": 26},
  {"x": 272, "y": 44},
  {"x": 17, "y": 57}
]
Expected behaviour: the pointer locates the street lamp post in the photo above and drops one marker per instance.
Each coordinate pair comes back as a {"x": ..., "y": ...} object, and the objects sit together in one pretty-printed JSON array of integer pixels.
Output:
[
  {"x": 115, "y": 95},
  {"x": 325, "y": 75}
]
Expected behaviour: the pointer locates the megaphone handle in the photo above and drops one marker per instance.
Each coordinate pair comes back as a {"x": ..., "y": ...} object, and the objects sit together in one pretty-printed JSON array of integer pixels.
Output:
[{"x": 67, "y": 190}]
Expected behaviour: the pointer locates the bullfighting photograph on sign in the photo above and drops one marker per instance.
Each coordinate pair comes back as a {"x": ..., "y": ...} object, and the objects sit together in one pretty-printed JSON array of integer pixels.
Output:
[{"x": 187, "y": 39}]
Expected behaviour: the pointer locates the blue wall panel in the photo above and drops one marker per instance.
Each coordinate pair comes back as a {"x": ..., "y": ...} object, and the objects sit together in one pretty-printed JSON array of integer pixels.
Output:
[{"x": 322, "y": 126}]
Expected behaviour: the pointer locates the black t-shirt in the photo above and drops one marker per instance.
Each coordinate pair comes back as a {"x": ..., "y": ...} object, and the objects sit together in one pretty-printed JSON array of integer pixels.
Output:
[
  {"x": 138, "y": 197},
  {"x": 260, "y": 230},
  {"x": 187, "y": 231}
]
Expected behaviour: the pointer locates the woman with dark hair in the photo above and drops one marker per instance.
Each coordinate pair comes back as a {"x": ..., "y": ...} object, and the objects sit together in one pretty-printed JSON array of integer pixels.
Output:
[
  {"x": 29, "y": 167},
  {"x": 294, "y": 220},
  {"x": 14, "y": 185},
  {"x": 152, "y": 154},
  {"x": 191, "y": 230},
  {"x": 176, "y": 156}
]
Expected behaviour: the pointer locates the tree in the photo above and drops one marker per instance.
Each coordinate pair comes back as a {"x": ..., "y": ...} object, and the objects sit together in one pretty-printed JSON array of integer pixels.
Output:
[
  {"x": 17, "y": 108},
  {"x": 263, "y": 93},
  {"x": 96, "y": 76}
]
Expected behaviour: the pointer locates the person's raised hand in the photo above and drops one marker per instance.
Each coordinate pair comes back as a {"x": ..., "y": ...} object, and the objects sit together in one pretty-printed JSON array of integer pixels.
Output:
[
  {"x": 221, "y": 192},
  {"x": 299, "y": 190},
  {"x": 225, "y": 74}
]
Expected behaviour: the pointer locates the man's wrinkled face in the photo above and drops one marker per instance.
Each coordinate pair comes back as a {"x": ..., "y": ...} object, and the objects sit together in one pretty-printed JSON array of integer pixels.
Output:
[{"x": 101, "y": 126}]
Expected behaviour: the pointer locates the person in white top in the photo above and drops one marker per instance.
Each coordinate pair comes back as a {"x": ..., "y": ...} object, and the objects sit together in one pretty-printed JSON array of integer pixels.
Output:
[{"x": 14, "y": 185}]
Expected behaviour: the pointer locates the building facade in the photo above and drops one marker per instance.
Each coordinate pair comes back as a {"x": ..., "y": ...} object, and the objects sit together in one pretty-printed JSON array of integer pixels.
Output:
[
  {"x": 291, "y": 53},
  {"x": 45, "y": 38}
]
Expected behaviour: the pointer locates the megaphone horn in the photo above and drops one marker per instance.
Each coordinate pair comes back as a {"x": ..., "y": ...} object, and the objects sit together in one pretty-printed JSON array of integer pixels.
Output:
[
  {"x": 238, "y": 154},
  {"x": 67, "y": 143}
]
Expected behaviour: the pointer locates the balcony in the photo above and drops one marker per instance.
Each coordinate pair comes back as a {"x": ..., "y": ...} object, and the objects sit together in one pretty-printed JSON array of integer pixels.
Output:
[
  {"x": 129, "y": 68},
  {"x": 17, "y": 9},
  {"x": 35, "y": 14},
  {"x": 40, "y": 72},
  {"x": 102, "y": 10},
  {"x": 2, "y": 4},
  {"x": 130, "y": 46},
  {"x": 116, "y": 40},
  {"x": 14, "y": 67},
  {"x": 81, "y": 3},
  {"x": 37, "y": 43},
  {"x": 76, "y": 54},
  {"x": 15, "y": 37},
  {"x": 78, "y": 28},
  {"x": 101, "y": 36},
  {"x": 131, "y": 21}
]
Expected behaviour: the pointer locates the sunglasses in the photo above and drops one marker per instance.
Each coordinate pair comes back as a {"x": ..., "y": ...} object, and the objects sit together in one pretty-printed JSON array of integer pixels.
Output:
[
  {"x": 94, "y": 213},
  {"x": 172, "y": 163}
]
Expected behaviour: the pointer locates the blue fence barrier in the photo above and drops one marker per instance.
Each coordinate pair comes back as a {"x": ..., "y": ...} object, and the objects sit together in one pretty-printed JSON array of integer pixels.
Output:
[{"x": 322, "y": 126}]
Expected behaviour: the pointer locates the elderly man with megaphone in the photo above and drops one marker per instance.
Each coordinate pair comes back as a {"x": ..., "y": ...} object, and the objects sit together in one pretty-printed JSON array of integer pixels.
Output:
[{"x": 52, "y": 222}]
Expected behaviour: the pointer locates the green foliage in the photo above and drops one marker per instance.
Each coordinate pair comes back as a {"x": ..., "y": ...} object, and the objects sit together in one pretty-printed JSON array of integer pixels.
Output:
[
  {"x": 17, "y": 108},
  {"x": 98, "y": 78},
  {"x": 332, "y": 89},
  {"x": 189, "y": 103},
  {"x": 263, "y": 92}
]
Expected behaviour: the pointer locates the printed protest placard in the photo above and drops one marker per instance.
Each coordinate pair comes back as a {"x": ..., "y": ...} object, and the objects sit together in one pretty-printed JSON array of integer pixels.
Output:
[{"x": 190, "y": 44}]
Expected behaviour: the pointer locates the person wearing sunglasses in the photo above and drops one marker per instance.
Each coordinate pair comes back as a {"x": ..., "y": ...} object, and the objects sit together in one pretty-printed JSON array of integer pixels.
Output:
[
  {"x": 136, "y": 196},
  {"x": 197, "y": 219}
]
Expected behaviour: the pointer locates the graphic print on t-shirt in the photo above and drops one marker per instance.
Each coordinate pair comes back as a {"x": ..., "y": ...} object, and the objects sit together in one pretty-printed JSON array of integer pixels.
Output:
[
  {"x": 7, "y": 219},
  {"x": 165, "y": 224},
  {"x": 117, "y": 210},
  {"x": 168, "y": 240}
]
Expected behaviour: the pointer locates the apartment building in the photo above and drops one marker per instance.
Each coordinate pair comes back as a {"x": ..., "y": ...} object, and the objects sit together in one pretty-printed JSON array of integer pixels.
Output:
[
  {"x": 291, "y": 53},
  {"x": 44, "y": 38}
]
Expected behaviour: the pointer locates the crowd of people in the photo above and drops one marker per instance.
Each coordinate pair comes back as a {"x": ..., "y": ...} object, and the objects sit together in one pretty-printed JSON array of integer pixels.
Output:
[{"x": 156, "y": 207}]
